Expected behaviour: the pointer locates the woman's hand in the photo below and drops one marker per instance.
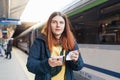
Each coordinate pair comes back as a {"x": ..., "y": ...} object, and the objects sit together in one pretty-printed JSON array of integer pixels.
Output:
[
  {"x": 53, "y": 62},
  {"x": 75, "y": 54}
]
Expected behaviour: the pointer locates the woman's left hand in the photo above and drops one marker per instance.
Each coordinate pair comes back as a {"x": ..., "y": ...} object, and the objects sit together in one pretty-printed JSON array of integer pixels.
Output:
[{"x": 75, "y": 55}]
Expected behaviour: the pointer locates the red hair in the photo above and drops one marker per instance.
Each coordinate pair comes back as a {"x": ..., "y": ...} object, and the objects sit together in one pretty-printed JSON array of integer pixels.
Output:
[{"x": 67, "y": 39}]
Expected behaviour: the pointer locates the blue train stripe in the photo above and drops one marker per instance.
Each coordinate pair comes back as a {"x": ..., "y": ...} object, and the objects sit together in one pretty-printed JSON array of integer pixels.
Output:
[{"x": 105, "y": 71}]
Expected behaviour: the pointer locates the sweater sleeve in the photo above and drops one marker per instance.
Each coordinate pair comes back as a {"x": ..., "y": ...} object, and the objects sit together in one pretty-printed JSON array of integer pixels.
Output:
[
  {"x": 35, "y": 64},
  {"x": 78, "y": 65}
]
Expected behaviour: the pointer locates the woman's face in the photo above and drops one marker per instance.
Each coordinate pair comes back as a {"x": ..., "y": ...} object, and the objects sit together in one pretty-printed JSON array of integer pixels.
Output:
[{"x": 57, "y": 26}]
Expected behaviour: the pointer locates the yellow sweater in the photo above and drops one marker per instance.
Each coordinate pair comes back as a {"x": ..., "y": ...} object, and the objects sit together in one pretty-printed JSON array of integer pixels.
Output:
[{"x": 56, "y": 52}]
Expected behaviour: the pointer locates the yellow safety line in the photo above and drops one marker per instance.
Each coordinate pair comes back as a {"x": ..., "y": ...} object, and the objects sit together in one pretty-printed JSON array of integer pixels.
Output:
[{"x": 29, "y": 75}]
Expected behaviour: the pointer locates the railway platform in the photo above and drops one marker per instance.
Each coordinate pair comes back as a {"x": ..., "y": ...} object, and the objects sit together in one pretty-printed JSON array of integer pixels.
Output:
[
  {"x": 15, "y": 68},
  {"x": 102, "y": 64}
]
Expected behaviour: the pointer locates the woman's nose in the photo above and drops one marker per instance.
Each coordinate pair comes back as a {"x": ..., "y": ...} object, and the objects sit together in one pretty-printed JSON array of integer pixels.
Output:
[{"x": 58, "y": 24}]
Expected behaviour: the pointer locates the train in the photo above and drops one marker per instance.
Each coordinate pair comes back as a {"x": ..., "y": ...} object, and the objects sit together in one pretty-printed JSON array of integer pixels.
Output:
[{"x": 96, "y": 26}]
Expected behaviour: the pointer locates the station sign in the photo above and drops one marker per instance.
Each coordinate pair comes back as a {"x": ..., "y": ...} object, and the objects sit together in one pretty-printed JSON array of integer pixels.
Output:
[
  {"x": 10, "y": 21},
  {"x": 4, "y": 31}
]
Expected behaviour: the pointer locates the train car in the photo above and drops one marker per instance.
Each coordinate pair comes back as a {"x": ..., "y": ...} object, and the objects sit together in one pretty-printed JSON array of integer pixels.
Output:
[
  {"x": 97, "y": 30},
  {"x": 96, "y": 25},
  {"x": 24, "y": 42}
]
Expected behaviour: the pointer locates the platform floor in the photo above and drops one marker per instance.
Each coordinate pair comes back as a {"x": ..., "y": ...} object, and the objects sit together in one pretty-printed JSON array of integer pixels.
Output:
[{"x": 15, "y": 68}]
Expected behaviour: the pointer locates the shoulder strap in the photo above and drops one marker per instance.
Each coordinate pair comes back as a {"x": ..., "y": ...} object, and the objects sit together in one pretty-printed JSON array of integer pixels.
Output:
[{"x": 61, "y": 52}]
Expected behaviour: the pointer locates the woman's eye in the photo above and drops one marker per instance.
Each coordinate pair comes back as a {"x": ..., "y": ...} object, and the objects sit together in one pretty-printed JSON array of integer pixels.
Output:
[
  {"x": 53, "y": 22},
  {"x": 61, "y": 22}
]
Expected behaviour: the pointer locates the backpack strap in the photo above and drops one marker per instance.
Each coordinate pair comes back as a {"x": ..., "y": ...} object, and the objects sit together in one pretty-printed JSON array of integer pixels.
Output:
[{"x": 56, "y": 70}]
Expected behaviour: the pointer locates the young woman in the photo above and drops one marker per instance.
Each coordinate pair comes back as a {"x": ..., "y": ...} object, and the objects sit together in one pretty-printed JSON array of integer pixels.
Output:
[{"x": 47, "y": 56}]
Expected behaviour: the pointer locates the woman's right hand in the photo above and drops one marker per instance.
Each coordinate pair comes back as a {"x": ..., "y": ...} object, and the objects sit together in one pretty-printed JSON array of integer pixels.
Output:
[{"x": 53, "y": 62}]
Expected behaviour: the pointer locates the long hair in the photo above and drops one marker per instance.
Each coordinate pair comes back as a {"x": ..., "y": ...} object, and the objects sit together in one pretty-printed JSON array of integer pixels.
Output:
[{"x": 67, "y": 39}]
